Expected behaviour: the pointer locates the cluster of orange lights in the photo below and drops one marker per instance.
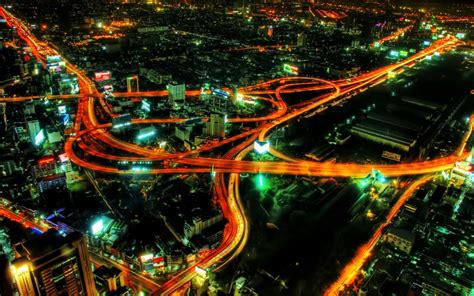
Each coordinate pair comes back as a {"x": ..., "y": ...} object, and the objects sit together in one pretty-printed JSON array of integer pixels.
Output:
[
  {"x": 228, "y": 164},
  {"x": 108, "y": 36},
  {"x": 331, "y": 14},
  {"x": 395, "y": 35},
  {"x": 121, "y": 24},
  {"x": 351, "y": 271}
]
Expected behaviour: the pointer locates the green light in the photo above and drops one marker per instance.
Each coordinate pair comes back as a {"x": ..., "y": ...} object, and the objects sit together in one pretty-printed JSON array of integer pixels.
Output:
[
  {"x": 290, "y": 69},
  {"x": 260, "y": 182},
  {"x": 97, "y": 227},
  {"x": 146, "y": 135},
  {"x": 403, "y": 53},
  {"x": 362, "y": 183},
  {"x": 139, "y": 168}
]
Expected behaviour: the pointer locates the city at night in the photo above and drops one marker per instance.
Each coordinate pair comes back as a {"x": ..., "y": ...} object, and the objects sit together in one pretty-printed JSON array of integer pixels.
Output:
[{"x": 237, "y": 147}]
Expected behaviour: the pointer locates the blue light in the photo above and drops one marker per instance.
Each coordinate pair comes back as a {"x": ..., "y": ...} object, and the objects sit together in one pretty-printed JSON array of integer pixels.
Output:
[{"x": 37, "y": 230}]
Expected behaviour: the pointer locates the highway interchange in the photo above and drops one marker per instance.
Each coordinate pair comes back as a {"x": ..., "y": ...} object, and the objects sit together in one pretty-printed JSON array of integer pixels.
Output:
[{"x": 89, "y": 134}]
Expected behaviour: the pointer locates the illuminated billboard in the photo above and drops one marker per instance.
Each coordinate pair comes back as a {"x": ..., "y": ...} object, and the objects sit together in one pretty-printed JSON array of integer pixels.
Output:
[
  {"x": 66, "y": 119},
  {"x": 290, "y": 69},
  {"x": 39, "y": 138},
  {"x": 97, "y": 227},
  {"x": 109, "y": 87},
  {"x": 146, "y": 133},
  {"x": 146, "y": 257},
  {"x": 53, "y": 59},
  {"x": 201, "y": 272},
  {"x": 62, "y": 109},
  {"x": 146, "y": 106},
  {"x": 220, "y": 93},
  {"x": 63, "y": 157},
  {"x": 121, "y": 121},
  {"x": 102, "y": 76},
  {"x": 261, "y": 147}
]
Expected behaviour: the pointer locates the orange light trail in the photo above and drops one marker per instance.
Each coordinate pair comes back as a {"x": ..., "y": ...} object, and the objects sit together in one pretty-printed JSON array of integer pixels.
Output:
[
  {"x": 90, "y": 136},
  {"x": 351, "y": 270}
]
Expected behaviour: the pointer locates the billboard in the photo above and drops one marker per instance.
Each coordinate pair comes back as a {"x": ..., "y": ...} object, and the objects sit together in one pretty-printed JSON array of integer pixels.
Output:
[
  {"x": 102, "y": 76},
  {"x": 62, "y": 109},
  {"x": 146, "y": 257},
  {"x": 220, "y": 93},
  {"x": 109, "y": 87},
  {"x": 63, "y": 157},
  {"x": 66, "y": 119},
  {"x": 39, "y": 138},
  {"x": 261, "y": 147},
  {"x": 392, "y": 156},
  {"x": 53, "y": 59},
  {"x": 290, "y": 69},
  {"x": 97, "y": 227},
  {"x": 201, "y": 272},
  {"x": 146, "y": 106},
  {"x": 122, "y": 120}
]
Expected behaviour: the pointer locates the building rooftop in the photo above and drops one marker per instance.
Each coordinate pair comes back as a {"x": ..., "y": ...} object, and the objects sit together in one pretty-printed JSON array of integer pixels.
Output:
[
  {"x": 107, "y": 272},
  {"x": 423, "y": 103},
  {"x": 403, "y": 233},
  {"x": 399, "y": 121}
]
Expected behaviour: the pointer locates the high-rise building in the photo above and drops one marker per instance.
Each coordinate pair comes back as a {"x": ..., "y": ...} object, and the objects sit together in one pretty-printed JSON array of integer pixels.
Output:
[
  {"x": 215, "y": 127},
  {"x": 133, "y": 84},
  {"x": 270, "y": 31},
  {"x": 110, "y": 281},
  {"x": 48, "y": 174},
  {"x": 176, "y": 92},
  {"x": 53, "y": 265},
  {"x": 199, "y": 223},
  {"x": 301, "y": 40},
  {"x": 33, "y": 129}
]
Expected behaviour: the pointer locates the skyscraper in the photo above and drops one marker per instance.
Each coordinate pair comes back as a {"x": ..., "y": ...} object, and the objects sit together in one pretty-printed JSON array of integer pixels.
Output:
[
  {"x": 215, "y": 127},
  {"x": 33, "y": 130},
  {"x": 54, "y": 265},
  {"x": 110, "y": 281},
  {"x": 176, "y": 92},
  {"x": 133, "y": 84},
  {"x": 301, "y": 40}
]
